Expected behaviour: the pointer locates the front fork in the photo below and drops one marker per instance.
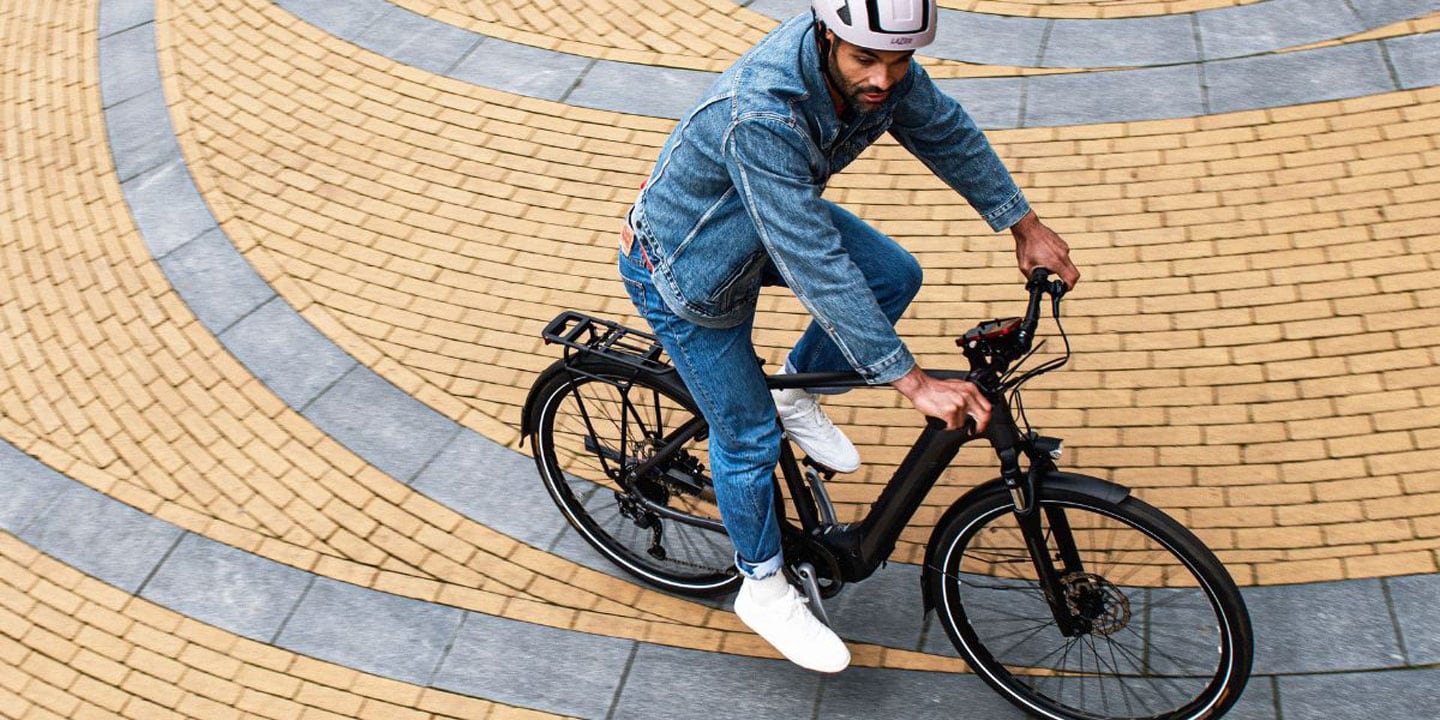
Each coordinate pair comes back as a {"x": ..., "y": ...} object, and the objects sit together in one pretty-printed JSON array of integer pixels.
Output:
[
  {"x": 1053, "y": 579},
  {"x": 1045, "y": 548}
]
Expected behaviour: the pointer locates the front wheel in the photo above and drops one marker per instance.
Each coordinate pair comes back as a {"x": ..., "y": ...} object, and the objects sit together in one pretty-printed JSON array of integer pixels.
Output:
[{"x": 1157, "y": 627}]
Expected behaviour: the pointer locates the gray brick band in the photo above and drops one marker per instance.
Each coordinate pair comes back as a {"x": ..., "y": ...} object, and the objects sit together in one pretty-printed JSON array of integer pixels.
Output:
[
  {"x": 1317, "y": 643},
  {"x": 424, "y": 642},
  {"x": 1168, "y": 54}
]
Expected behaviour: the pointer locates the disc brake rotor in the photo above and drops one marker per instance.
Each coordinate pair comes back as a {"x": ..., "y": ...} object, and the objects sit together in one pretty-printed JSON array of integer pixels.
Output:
[{"x": 1103, "y": 606}]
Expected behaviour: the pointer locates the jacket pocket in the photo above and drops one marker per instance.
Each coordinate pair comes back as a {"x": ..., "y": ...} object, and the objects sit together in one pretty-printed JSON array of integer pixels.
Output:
[{"x": 739, "y": 286}]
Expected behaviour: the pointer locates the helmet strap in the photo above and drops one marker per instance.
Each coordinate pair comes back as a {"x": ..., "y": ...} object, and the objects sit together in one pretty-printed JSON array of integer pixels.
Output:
[{"x": 827, "y": 54}]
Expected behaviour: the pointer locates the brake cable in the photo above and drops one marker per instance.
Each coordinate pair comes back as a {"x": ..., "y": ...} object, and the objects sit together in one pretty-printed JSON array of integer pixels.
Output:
[{"x": 1052, "y": 364}]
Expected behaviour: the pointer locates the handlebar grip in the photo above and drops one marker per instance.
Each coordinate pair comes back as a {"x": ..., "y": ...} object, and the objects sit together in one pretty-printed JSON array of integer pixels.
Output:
[
  {"x": 1038, "y": 282},
  {"x": 937, "y": 424}
]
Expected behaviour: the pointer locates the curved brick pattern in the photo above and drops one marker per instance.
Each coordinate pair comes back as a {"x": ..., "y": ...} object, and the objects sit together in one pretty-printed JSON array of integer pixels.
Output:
[
  {"x": 78, "y": 648},
  {"x": 1090, "y": 9},
  {"x": 109, "y": 377},
  {"x": 138, "y": 399},
  {"x": 1001, "y": 98},
  {"x": 414, "y": 646},
  {"x": 1232, "y": 397}
]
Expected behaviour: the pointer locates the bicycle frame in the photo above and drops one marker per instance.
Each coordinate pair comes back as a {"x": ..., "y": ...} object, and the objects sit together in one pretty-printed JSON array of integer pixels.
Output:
[
  {"x": 861, "y": 547},
  {"x": 852, "y": 552},
  {"x": 1010, "y": 534}
]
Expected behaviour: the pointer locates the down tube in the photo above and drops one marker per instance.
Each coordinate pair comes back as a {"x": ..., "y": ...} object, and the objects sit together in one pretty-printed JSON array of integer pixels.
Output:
[{"x": 902, "y": 496}]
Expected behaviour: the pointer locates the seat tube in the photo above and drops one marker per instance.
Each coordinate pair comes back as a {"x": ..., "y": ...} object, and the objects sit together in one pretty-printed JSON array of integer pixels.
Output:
[{"x": 799, "y": 493}]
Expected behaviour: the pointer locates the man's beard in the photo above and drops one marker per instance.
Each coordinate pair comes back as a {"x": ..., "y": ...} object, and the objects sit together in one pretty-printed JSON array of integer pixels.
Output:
[{"x": 851, "y": 92}]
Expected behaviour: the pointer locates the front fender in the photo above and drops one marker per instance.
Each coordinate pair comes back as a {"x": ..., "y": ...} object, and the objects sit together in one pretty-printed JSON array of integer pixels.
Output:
[{"x": 1071, "y": 482}]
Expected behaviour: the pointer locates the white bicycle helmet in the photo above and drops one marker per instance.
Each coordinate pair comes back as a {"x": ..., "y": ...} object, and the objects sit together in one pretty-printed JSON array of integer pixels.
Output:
[{"x": 879, "y": 24}]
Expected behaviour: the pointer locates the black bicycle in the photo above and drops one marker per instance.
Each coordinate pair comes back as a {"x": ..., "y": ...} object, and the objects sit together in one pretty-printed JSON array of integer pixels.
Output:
[{"x": 1065, "y": 593}]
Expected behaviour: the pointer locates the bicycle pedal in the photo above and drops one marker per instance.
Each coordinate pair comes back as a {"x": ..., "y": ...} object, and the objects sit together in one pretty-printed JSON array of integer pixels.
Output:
[
  {"x": 810, "y": 584},
  {"x": 824, "y": 471}
]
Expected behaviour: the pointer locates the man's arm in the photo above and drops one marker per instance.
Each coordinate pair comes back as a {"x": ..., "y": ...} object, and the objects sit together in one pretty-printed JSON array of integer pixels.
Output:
[
  {"x": 938, "y": 131},
  {"x": 769, "y": 162},
  {"x": 1038, "y": 246},
  {"x": 934, "y": 128}
]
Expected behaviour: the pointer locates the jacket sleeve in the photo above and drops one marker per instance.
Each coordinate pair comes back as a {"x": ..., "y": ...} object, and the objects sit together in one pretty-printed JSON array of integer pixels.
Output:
[
  {"x": 934, "y": 128},
  {"x": 769, "y": 161}
]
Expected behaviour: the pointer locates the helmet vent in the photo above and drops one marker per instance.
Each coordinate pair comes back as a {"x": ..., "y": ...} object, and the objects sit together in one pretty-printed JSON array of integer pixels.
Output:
[{"x": 898, "y": 17}]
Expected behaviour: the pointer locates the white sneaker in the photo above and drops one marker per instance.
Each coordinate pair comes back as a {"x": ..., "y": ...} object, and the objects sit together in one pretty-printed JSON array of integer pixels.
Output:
[
  {"x": 805, "y": 422},
  {"x": 781, "y": 617}
]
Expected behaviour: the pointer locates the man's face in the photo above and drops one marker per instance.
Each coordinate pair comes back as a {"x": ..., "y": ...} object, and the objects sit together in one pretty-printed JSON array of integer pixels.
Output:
[{"x": 866, "y": 76}]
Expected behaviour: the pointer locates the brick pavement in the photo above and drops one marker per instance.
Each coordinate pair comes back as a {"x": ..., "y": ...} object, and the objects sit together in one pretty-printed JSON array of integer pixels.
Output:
[{"x": 1255, "y": 323}]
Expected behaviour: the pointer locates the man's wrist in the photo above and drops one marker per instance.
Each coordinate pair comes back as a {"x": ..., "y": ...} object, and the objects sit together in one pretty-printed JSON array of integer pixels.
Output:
[
  {"x": 1027, "y": 223},
  {"x": 911, "y": 381}
]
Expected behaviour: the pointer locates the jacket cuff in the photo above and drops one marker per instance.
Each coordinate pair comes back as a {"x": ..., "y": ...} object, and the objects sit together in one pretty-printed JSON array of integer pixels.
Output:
[
  {"x": 1009, "y": 212},
  {"x": 890, "y": 369}
]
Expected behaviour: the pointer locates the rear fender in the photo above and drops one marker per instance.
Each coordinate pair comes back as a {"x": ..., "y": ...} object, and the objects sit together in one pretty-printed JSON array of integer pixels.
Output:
[
  {"x": 527, "y": 413},
  {"x": 600, "y": 368}
]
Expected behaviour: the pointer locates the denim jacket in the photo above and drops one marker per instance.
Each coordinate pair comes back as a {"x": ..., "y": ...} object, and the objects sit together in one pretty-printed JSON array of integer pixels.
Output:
[{"x": 739, "y": 182}]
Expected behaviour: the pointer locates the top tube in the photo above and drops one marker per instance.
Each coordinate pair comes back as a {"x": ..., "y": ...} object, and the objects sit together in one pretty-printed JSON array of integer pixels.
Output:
[{"x": 841, "y": 379}]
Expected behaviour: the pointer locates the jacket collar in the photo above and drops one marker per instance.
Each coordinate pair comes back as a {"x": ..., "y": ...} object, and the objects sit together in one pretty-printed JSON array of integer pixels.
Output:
[{"x": 817, "y": 102}]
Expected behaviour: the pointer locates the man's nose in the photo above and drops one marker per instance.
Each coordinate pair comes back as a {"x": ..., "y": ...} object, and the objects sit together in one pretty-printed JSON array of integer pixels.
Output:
[
  {"x": 881, "y": 79},
  {"x": 885, "y": 78}
]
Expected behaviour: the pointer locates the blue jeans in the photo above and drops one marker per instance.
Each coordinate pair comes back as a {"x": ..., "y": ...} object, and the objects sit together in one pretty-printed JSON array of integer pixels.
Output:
[{"x": 720, "y": 368}]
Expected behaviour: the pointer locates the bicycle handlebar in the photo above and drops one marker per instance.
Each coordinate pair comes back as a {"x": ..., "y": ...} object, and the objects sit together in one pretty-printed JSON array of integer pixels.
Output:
[{"x": 1039, "y": 285}]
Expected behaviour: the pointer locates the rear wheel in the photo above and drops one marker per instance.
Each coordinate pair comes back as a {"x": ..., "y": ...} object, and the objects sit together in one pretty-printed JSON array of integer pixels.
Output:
[
  {"x": 1160, "y": 628},
  {"x": 592, "y": 429}
]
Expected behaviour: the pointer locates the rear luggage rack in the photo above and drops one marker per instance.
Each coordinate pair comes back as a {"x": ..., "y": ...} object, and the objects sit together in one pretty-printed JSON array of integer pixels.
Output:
[{"x": 588, "y": 335}]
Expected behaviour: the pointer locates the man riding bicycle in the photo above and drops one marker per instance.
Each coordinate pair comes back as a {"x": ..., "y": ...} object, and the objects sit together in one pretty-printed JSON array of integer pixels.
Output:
[{"x": 734, "y": 202}]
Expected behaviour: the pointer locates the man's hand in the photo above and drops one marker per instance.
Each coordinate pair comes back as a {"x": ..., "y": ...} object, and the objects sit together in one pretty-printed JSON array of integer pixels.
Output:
[
  {"x": 1039, "y": 246},
  {"x": 948, "y": 400}
]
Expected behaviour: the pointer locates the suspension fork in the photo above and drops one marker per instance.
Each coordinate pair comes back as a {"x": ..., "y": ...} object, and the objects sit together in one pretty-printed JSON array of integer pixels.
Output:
[{"x": 1024, "y": 488}]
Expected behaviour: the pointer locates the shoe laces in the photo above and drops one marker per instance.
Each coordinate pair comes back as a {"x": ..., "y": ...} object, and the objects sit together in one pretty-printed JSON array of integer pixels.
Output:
[
  {"x": 797, "y": 610},
  {"x": 806, "y": 408}
]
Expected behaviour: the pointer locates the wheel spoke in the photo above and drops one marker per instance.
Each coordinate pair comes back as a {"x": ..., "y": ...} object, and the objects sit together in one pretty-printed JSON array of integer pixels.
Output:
[
  {"x": 569, "y": 452},
  {"x": 1151, "y": 639}
]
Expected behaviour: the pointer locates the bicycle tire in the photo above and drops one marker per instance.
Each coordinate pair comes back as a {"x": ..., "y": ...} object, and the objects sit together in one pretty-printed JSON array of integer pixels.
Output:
[
  {"x": 691, "y": 560},
  {"x": 1152, "y": 593}
]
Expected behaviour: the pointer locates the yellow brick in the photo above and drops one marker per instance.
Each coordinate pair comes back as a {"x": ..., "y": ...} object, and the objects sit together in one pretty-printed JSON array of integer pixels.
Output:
[
  {"x": 197, "y": 706},
  {"x": 320, "y": 674},
  {"x": 269, "y": 706},
  {"x": 1300, "y": 572},
  {"x": 1320, "y": 513},
  {"x": 152, "y": 689},
  {"x": 1389, "y": 565},
  {"x": 1232, "y": 517},
  {"x": 327, "y": 698},
  {"x": 1368, "y": 532},
  {"x": 268, "y": 682},
  {"x": 1404, "y": 506},
  {"x": 1257, "y": 495},
  {"x": 387, "y": 690}
]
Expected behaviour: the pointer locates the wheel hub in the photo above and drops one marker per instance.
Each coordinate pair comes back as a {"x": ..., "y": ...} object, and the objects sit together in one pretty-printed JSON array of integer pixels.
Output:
[{"x": 1096, "y": 602}]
